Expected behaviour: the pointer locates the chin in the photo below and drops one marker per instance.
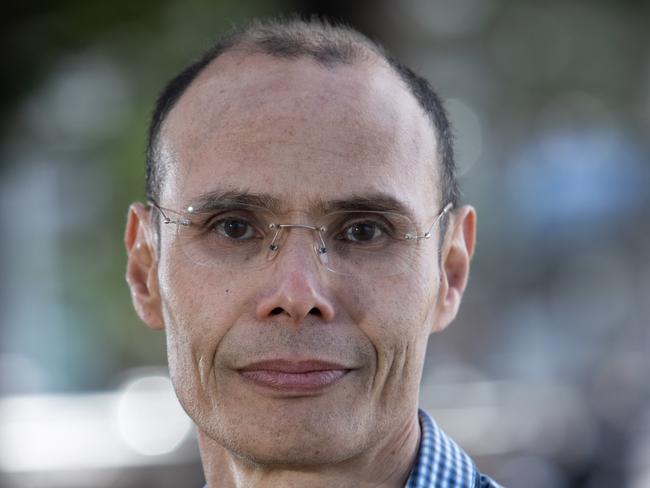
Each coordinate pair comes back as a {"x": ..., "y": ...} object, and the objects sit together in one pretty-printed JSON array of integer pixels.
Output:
[
  {"x": 312, "y": 440},
  {"x": 293, "y": 454}
]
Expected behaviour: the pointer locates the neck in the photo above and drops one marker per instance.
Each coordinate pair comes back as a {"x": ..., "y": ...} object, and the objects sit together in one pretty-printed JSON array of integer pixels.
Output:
[{"x": 386, "y": 465}]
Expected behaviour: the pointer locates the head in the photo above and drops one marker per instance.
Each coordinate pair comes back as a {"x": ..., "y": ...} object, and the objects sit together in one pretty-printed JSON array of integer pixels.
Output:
[{"x": 302, "y": 118}]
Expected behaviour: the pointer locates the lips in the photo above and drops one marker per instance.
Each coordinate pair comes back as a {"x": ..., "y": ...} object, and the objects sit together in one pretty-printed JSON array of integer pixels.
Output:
[{"x": 288, "y": 375}]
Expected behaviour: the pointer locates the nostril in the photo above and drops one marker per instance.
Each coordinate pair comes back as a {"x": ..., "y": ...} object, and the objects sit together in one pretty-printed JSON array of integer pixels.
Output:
[
  {"x": 315, "y": 311},
  {"x": 277, "y": 311}
]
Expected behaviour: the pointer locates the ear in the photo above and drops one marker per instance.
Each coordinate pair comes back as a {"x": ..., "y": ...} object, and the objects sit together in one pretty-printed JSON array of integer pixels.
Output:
[
  {"x": 456, "y": 254},
  {"x": 142, "y": 266}
]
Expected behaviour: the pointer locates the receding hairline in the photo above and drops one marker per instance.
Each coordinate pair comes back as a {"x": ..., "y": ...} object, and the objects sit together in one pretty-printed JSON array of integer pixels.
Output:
[
  {"x": 358, "y": 51},
  {"x": 232, "y": 60},
  {"x": 328, "y": 45}
]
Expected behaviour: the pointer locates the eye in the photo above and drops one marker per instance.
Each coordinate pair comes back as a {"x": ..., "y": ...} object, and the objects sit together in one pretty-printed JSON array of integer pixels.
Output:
[
  {"x": 234, "y": 228},
  {"x": 365, "y": 231}
]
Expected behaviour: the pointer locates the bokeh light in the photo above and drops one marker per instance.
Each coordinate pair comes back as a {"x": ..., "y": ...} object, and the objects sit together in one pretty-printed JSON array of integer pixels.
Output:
[{"x": 149, "y": 418}]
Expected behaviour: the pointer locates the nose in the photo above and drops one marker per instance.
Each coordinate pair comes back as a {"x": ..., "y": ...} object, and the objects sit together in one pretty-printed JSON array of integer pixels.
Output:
[{"x": 296, "y": 287}]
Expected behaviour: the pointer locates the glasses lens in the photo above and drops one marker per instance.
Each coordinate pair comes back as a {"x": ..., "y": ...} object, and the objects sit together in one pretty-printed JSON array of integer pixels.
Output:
[
  {"x": 233, "y": 237},
  {"x": 368, "y": 243},
  {"x": 356, "y": 243}
]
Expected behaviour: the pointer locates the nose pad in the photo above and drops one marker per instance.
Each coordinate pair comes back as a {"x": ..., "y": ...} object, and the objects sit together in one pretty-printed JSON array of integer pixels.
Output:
[
  {"x": 282, "y": 237},
  {"x": 321, "y": 247},
  {"x": 322, "y": 255}
]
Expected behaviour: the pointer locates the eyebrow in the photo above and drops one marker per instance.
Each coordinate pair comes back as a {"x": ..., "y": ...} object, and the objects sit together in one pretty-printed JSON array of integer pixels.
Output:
[
  {"x": 377, "y": 201},
  {"x": 374, "y": 201},
  {"x": 219, "y": 199}
]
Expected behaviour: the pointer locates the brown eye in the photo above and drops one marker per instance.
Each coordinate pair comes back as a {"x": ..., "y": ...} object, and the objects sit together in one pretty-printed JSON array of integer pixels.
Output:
[
  {"x": 362, "y": 232},
  {"x": 237, "y": 229}
]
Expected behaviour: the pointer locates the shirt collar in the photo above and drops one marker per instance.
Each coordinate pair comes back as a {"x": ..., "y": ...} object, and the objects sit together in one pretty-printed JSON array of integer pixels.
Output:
[{"x": 440, "y": 462}]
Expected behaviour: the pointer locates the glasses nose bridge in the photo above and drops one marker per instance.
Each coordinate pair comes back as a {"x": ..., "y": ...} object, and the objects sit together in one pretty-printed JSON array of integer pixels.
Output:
[{"x": 282, "y": 236}]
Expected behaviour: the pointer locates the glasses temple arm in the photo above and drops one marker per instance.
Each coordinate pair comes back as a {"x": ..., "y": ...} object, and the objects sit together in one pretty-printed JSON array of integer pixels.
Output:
[
  {"x": 447, "y": 208},
  {"x": 152, "y": 203}
]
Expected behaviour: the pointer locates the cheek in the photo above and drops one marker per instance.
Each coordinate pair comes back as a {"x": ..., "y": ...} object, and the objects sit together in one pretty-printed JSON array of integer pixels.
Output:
[
  {"x": 199, "y": 307},
  {"x": 394, "y": 313},
  {"x": 198, "y": 300}
]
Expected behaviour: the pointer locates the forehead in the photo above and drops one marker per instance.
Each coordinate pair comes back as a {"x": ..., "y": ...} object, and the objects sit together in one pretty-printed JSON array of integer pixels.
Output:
[{"x": 300, "y": 131}]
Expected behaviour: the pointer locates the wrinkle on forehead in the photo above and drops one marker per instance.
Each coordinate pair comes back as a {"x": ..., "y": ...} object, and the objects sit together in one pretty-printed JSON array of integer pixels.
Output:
[
  {"x": 243, "y": 95},
  {"x": 262, "y": 108}
]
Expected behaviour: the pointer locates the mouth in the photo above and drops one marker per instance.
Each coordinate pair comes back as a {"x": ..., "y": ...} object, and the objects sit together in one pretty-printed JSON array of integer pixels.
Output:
[{"x": 294, "y": 376}]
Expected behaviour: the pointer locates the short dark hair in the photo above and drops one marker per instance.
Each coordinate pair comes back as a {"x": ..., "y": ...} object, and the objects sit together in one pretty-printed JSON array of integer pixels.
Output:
[{"x": 326, "y": 43}]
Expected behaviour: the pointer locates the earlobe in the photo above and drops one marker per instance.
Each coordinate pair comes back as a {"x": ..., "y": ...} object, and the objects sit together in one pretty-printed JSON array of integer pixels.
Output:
[
  {"x": 141, "y": 267},
  {"x": 457, "y": 252}
]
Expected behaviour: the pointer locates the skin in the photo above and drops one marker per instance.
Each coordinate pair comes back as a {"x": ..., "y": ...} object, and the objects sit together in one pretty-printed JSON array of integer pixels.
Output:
[{"x": 302, "y": 133}]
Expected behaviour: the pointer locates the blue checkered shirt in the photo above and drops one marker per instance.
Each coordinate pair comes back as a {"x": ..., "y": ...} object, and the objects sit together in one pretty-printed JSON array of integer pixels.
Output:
[{"x": 440, "y": 463}]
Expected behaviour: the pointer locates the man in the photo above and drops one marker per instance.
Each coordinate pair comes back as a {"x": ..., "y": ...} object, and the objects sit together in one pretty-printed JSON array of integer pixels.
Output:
[{"x": 301, "y": 242}]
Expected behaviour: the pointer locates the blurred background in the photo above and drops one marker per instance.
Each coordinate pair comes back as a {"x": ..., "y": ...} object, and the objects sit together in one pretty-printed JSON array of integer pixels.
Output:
[{"x": 545, "y": 376}]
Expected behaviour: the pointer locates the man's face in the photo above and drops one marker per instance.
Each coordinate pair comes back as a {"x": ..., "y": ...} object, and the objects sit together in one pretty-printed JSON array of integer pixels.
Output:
[{"x": 300, "y": 133}]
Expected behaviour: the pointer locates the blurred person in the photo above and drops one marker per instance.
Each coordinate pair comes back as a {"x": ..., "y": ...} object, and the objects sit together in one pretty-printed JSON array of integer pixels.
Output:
[{"x": 302, "y": 239}]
